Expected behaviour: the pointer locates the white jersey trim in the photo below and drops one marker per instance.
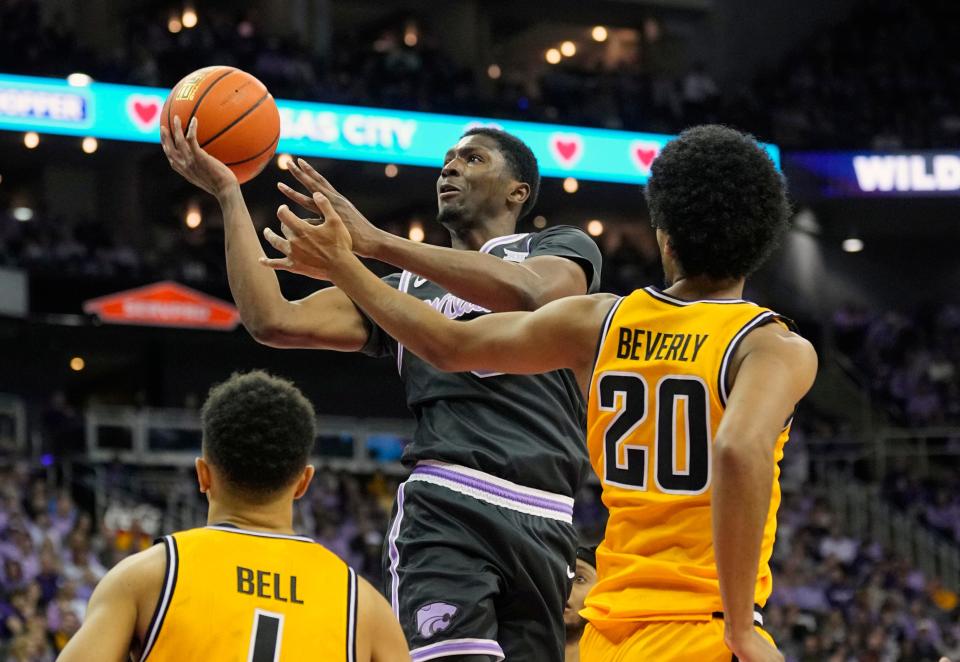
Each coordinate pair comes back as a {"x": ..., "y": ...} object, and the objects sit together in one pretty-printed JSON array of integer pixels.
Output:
[{"x": 166, "y": 596}]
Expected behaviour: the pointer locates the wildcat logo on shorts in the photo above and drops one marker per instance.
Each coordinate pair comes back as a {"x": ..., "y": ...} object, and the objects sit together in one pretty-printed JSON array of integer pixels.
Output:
[{"x": 435, "y": 618}]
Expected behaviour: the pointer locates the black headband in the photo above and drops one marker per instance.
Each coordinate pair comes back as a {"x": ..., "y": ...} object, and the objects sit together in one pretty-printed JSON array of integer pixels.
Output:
[{"x": 588, "y": 555}]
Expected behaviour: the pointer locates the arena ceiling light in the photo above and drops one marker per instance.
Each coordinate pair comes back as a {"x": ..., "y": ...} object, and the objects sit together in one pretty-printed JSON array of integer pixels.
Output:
[
  {"x": 31, "y": 139},
  {"x": 193, "y": 218},
  {"x": 23, "y": 214},
  {"x": 78, "y": 79},
  {"x": 283, "y": 160},
  {"x": 391, "y": 170},
  {"x": 553, "y": 56},
  {"x": 189, "y": 18},
  {"x": 852, "y": 245},
  {"x": 416, "y": 232},
  {"x": 599, "y": 33},
  {"x": 595, "y": 228},
  {"x": 493, "y": 71}
]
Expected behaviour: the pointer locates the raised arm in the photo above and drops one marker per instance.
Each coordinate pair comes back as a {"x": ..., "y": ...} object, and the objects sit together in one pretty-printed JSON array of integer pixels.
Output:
[
  {"x": 561, "y": 334},
  {"x": 325, "y": 320},
  {"x": 480, "y": 278},
  {"x": 774, "y": 369}
]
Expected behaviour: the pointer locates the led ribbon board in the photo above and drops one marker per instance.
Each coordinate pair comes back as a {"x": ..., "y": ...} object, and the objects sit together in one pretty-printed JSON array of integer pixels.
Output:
[
  {"x": 875, "y": 174},
  {"x": 123, "y": 112}
]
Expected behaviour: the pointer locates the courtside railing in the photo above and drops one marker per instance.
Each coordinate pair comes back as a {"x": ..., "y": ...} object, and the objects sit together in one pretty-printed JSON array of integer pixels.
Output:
[
  {"x": 172, "y": 437},
  {"x": 864, "y": 512}
]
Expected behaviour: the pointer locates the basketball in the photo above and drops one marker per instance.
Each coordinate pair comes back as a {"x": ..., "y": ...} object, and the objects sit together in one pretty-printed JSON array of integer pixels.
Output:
[{"x": 237, "y": 118}]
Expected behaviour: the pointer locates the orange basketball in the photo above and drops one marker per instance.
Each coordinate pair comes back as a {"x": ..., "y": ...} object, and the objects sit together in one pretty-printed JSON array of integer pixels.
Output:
[{"x": 237, "y": 118}]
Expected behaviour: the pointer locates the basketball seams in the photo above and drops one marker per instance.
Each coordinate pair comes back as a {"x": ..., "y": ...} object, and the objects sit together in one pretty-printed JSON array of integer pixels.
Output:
[
  {"x": 244, "y": 114},
  {"x": 263, "y": 151},
  {"x": 193, "y": 111}
]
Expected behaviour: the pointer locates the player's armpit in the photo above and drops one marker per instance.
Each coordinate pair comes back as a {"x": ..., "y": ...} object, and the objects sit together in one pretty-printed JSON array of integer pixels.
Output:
[
  {"x": 110, "y": 625},
  {"x": 327, "y": 319},
  {"x": 379, "y": 637}
]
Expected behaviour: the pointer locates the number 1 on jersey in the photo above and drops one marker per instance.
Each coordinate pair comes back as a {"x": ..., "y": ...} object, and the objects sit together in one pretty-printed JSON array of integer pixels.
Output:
[
  {"x": 265, "y": 637},
  {"x": 627, "y": 393}
]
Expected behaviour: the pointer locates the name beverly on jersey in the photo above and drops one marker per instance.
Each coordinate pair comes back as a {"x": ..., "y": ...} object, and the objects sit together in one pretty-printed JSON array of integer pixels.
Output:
[{"x": 646, "y": 345}]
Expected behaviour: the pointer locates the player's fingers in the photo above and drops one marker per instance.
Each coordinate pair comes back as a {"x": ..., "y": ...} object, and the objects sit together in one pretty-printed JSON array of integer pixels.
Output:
[
  {"x": 165, "y": 140},
  {"x": 326, "y": 208},
  {"x": 277, "y": 263},
  {"x": 291, "y": 222},
  {"x": 304, "y": 201},
  {"x": 276, "y": 241},
  {"x": 310, "y": 170},
  {"x": 287, "y": 231},
  {"x": 192, "y": 136},
  {"x": 178, "y": 139},
  {"x": 309, "y": 182}
]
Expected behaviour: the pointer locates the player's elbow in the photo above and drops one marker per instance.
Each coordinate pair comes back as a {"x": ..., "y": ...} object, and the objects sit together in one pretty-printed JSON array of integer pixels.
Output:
[
  {"x": 533, "y": 294},
  {"x": 741, "y": 453},
  {"x": 265, "y": 332}
]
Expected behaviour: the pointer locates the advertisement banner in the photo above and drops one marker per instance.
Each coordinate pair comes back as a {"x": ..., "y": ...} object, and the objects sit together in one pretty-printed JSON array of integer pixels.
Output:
[
  {"x": 123, "y": 112},
  {"x": 164, "y": 304},
  {"x": 875, "y": 174}
]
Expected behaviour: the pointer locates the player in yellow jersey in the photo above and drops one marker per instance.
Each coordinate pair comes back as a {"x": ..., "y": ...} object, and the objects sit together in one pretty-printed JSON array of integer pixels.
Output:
[
  {"x": 691, "y": 390},
  {"x": 244, "y": 587}
]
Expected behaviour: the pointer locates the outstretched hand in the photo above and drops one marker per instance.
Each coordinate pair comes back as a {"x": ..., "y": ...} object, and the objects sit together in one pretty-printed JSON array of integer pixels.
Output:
[
  {"x": 190, "y": 160},
  {"x": 362, "y": 232},
  {"x": 310, "y": 248}
]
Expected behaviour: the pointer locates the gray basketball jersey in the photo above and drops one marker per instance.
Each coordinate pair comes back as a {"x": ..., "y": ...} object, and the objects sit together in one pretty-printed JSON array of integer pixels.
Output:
[{"x": 529, "y": 429}]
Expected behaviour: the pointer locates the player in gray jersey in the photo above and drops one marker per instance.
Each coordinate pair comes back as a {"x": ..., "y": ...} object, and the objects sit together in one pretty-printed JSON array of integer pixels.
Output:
[{"x": 479, "y": 555}]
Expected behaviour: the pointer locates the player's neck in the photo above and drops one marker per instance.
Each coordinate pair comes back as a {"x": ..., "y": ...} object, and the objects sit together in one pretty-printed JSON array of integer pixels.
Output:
[
  {"x": 695, "y": 288},
  {"x": 276, "y": 517},
  {"x": 472, "y": 237}
]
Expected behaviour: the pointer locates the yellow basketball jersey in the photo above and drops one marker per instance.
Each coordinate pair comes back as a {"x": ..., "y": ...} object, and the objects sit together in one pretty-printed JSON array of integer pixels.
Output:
[
  {"x": 232, "y": 594},
  {"x": 656, "y": 398}
]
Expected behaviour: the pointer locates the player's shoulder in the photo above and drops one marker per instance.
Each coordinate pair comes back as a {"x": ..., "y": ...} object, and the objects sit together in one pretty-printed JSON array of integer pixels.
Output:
[
  {"x": 143, "y": 571},
  {"x": 780, "y": 342},
  {"x": 558, "y": 233}
]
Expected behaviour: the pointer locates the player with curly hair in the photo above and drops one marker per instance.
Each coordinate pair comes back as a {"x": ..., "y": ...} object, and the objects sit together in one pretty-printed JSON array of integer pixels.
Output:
[{"x": 691, "y": 392}]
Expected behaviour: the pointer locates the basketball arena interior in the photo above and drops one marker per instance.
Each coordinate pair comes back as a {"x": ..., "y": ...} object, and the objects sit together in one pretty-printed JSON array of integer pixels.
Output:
[{"x": 116, "y": 315}]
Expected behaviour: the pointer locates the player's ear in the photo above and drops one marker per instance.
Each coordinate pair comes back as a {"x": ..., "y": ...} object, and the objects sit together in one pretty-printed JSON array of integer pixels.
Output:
[
  {"x": 203, "y": 474},
  {"x": 304, "y": 481},
  {"x": 519, "y": 193}
]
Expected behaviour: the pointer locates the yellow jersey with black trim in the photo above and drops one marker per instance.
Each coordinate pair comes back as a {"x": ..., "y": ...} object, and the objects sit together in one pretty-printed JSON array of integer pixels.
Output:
[
  {"x": 233, "y": 594},
  {"x": 656, "y": 398}
]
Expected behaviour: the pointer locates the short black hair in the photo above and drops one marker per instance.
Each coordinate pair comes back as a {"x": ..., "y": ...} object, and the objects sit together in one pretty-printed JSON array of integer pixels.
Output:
[
  {"x": 588, "y": 555},
  {"x": 258, "y": 431},
  {"x": 721, "y": 200},
  {"x": 519, "y": 156}
]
